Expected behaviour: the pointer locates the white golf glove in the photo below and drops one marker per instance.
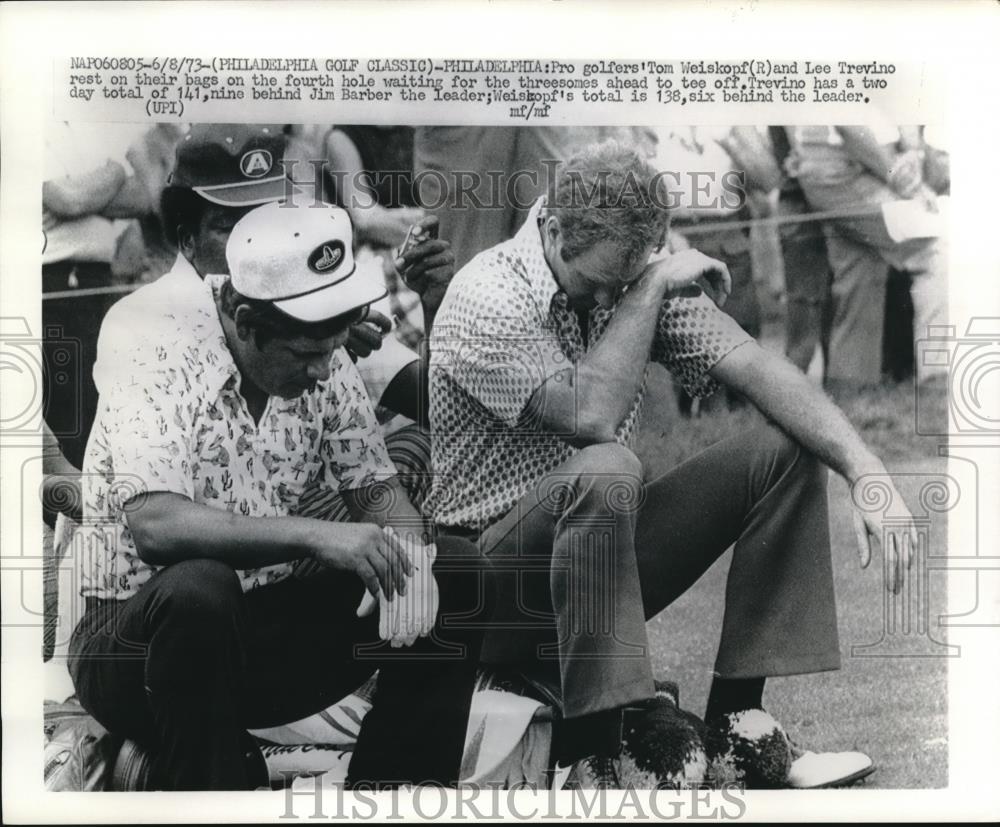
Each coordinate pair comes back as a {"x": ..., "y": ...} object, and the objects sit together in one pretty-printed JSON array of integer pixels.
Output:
[{"x": 406, "y": 617}]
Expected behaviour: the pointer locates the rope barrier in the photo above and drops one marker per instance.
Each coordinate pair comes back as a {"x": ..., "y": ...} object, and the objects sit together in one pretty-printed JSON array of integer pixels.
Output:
[
  {"x": 698, "y": 228},
  {"x": 111, "y": 289}
]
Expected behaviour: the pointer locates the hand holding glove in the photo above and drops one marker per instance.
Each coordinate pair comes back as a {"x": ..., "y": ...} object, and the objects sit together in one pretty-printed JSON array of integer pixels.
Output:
[{"x": 405, "y": 617}]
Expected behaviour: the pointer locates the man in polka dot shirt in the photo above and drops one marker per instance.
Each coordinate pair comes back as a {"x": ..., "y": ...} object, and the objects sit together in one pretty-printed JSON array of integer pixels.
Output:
[{"x": 539, "y": 358}]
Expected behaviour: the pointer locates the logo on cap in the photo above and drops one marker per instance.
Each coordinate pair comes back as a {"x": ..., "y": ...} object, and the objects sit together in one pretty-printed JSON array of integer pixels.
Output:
[
  {"x": 326, "y": 257},
  {"x": 256, "y": 162}
]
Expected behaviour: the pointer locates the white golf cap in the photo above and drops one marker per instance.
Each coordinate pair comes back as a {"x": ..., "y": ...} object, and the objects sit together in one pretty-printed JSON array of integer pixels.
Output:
[{"x": 301, "y": 259}]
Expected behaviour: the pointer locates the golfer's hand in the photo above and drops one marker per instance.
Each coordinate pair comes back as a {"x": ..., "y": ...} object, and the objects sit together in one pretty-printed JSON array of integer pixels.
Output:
[
  {"x": 405, "y": 617},
  {"x": 366, "y": 336},
  {"x": 898, "y": 539},
  {"x": 378, "y": 558},
  {"x": 683, "y": 273}
]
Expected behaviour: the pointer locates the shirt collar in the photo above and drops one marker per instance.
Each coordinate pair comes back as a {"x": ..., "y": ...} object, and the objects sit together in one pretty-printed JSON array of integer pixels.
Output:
[
  {"x": 183, "y": 269},
  {"x": 183, "y": 272},
  {"x": 200, "y": 327},
  {"x": 528, "y": 246}
]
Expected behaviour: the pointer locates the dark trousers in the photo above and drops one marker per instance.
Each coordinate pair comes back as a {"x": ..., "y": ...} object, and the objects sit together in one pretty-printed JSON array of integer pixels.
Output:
[
  {"x": 591, "y": 553},
  {"x": 190, "y": 662},
  {"x": 807, "y": 283}
]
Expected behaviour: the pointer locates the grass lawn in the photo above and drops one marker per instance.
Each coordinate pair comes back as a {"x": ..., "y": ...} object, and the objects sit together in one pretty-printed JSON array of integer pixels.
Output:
[{"x": 892, "y": 706}]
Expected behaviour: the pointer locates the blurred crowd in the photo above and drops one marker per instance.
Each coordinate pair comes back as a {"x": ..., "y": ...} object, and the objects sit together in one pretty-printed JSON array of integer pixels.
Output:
[{"x": 805, "y": 238}]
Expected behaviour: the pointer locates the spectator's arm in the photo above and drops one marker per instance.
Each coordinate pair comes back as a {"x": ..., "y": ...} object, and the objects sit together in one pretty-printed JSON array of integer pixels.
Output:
[
  {"x": 750, "y": 154},
  {"x": 902, "y": 171},
  {"x": 375, "y": 223},
  {"x": 407, "y": 393},
  {"x": 911, "y": 137},
  {"x": 863, "y": 147},
  {"x": 131, "y": 201},
  {"x": 151, "y": 158},
  {"x": 937, "y": 170},
  {"x": 428, "y": 269},
  {"x": 347, "y": 167},
  {"x": 85, "y": 194}
]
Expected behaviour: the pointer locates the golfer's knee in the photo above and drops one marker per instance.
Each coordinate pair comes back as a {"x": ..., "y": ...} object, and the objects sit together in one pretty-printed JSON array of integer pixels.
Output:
[
  {"x": 785, "y": 455},
  {"x": 203, "y": 595},
  {"x": 609, "y": 480}
]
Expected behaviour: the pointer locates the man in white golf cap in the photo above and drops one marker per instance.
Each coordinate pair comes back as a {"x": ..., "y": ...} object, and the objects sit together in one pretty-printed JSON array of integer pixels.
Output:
[
  {"x": 221, "y": 172},
  {"x": 205, "y": 439}
]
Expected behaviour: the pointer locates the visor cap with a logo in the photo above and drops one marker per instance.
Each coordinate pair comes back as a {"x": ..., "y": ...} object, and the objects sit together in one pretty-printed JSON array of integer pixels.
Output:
[
  {"x": 301, "y": 259},
  {"x": 233, "y": 165}
]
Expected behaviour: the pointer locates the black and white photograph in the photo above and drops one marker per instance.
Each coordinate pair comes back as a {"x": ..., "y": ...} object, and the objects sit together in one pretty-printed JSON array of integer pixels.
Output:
[{"x": 609, "y": 436}]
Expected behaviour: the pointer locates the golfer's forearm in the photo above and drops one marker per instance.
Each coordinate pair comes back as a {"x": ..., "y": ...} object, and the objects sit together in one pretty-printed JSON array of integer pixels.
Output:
[
  {"x": 789, "y": 398},
  {"x": 168, "y": 528},
  {"x": 590, "y": 400}
]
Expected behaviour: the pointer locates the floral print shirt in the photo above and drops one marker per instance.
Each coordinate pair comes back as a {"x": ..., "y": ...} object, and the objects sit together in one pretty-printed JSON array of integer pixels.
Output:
[{"x": 172, "y": 419}]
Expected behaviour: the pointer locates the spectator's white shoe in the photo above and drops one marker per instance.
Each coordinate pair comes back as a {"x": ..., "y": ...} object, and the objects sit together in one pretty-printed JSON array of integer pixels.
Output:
[{"x": 815, "y": 770}]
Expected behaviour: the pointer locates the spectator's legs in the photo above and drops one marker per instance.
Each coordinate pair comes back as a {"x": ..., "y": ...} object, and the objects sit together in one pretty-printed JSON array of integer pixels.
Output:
[
  {"x": 859, "y": 280},
  {"x": 441, "y": 154},
  {"x": 854, "y": 244},
  {"x": 927, "y": 264},
  {"x": 807, "y": 285},
  {"x": 897, "y": 339}
]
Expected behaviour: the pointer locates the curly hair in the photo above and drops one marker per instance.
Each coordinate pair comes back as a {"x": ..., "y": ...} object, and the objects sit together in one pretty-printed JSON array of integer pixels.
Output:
[
  {"x": 608, "y": 191},
  {"x": 267, "y": 322}
]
